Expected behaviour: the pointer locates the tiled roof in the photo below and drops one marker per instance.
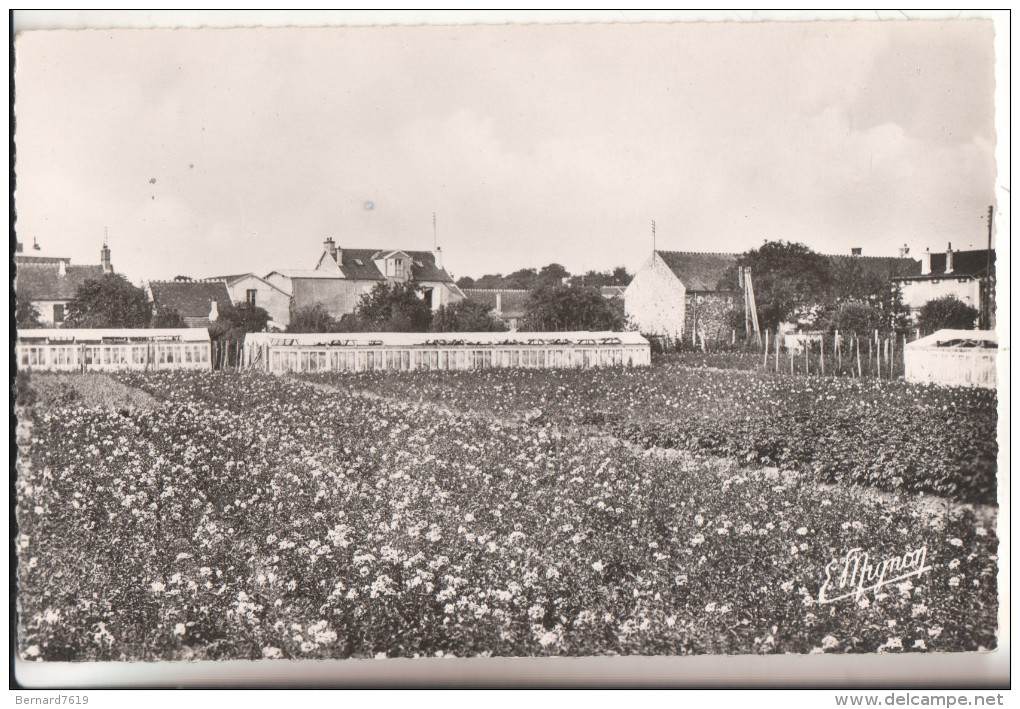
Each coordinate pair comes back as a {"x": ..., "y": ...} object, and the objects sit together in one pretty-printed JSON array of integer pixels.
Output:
[
  {"x": 233, "y": 280},
  {"x": 513, "y": 303},
  {"x": 887, "y": 267},
  {"x": 302, "y": 273},
  {"x": 192, "y": 299},
  {"x": 965, "y": 263},
  {"x": 359, "y": 264},
  {"x": 42, "y": 281},
  {"x": 701, "y": 271}
]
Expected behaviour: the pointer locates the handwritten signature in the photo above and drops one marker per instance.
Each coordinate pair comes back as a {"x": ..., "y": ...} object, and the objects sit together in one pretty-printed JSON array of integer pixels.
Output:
[{"x": 860, "y": 574}]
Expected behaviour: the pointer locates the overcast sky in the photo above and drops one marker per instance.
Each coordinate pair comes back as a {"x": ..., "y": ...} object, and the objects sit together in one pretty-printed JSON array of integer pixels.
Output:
[{"x": 208, "y": 152}]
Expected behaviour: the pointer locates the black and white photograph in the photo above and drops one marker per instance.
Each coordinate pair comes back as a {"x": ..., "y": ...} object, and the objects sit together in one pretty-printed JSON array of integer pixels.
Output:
[{"x": 549, "y": 339}]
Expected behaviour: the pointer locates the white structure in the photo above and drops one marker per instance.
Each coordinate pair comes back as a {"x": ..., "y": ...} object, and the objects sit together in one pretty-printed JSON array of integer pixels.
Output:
[
  {"x": 953, "y": 358},
  {"x": 314, "y": 352},
  {"x": 112, "y": 349},
  {"x": 247, "y": 288}
]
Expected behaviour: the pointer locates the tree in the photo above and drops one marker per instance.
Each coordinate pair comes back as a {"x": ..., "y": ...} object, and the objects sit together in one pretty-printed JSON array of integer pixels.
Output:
[
  {"x": 109, "y": 301},
  {"x": 394, "y": 308},
  {"x": 236, "y": 320},
  {"x": 27, "y": 315},
  {"x": 168, "y": 317},
  {"x": 617, "y": 277},
  {"x": 553, "y": 274},
  {"x": 787, "y": 277},
  {"x": 947, "y": 312},
  {"x": 312, "y": 318},
  {"x": 859, "y": 319},
  {"x": 466, "y": 282},
  {"x": 554, "y": 308},
  {"x": 465, "y": 316}
]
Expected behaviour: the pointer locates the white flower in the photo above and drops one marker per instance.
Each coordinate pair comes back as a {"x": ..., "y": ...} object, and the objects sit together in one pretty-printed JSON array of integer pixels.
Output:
[
  {"x": 699, "y": 520},
  {"x": 954, "y": 581},
  {"x": 158, "y": 586},
  {"x": 598, "y": 566},
  {"x": 469, "y": 517},
  {"x": 710, "y": 607},
  {"x": 272, "y": 653},
  {"x": 956, "y": 542},
  {"x": 699, "y": 539},
  {"x": 829, "y": 643},
  {"x": 919, "y": 644},
  {"x": 179, "y": 629},
  {"x": 802, "y": 531},
  {"x": 32, "y": 651}
]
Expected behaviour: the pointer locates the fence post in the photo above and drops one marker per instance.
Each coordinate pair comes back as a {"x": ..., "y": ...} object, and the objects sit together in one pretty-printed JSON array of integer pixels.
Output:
[
  {"x": 821, "y": 355},
  {"x": 777, "y": 350},
  {"x": 765, "y": 360}
]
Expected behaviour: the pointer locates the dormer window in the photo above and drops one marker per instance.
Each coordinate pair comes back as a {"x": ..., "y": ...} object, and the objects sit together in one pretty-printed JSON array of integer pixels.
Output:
[{"x": 396, "y": 267}]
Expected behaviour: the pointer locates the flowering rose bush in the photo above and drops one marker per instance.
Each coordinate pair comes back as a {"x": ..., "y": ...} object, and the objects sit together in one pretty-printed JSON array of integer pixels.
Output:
[
  {"x": 891, "y": 435},
  {"x": 249, "y": 516}
]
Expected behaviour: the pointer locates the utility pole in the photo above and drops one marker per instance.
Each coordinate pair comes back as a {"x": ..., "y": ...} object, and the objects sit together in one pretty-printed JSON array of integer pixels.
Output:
[
  {"x": 986, "y": 282},
  {"x": 653, "y": 238}
]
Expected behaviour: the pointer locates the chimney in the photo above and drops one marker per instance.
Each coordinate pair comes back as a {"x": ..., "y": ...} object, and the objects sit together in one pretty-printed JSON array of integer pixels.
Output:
[
  {"x": 214, "y": 311},
  {"x": 904, "y": 251},
  {"x": 949, "y": 258},
  {"x": 926, "y": 262},
  {"x": 499, "y": 302},
  {"x": 330, "y": 246},
  {"x": 62, "y": 268},
  {"x": 856, "y": 251},
  {"x": 35, "y": 244},
  {"x": 439, "y": 257},
  {"x": 104, "y": 258}
]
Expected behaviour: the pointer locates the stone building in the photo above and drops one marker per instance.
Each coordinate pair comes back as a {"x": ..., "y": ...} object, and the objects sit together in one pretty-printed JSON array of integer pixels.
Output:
[{"x": 683, "y": 293}]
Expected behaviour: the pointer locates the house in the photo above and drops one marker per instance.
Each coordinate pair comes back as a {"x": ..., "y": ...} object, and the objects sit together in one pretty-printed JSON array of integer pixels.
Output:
[
  {"x": 506, "y": 305},
  {"x": 198, "y": 302},
  {"x": 341, "y": 276},
  {"x": 50, "y": 282},
  {"x": 260, "y": 293},
  {"x": 678, "y": 292},
  {"x": 689, "y": 293},
  {"x": 968, "y": 275}
]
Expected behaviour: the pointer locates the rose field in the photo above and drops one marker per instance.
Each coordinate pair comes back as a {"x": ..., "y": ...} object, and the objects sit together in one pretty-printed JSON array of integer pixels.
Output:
[{"x": 664, "y": 511}]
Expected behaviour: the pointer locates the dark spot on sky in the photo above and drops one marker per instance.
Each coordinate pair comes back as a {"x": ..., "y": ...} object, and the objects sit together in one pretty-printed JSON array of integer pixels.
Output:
[
  {"x": 369, "y": 206},
  {"x": 191, "y": 166},
  {"x": 152, "y": 181}
]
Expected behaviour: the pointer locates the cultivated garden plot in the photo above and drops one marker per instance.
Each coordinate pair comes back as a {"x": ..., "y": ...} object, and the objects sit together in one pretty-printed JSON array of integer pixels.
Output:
[
  {"x": 892, "y": 435},
  {"x": 240, "y": 515}
]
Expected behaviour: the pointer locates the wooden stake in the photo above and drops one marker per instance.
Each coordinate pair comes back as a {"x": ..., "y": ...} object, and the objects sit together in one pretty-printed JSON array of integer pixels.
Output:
[
  {"x": 791, "y": 360},
  {"x": 777, "y": 351},
  {"x": 821, "y": 355},
  {"x": 878, "y": 361},
  {"x": 765, "y": 360},
  {"x": 860, "y": 374},
  {"x": 839, "y": 351},
  {"x": 807, "y": 365}
]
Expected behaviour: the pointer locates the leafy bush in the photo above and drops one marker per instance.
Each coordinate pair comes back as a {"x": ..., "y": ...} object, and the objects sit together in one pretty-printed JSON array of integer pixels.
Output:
[{"x": 948, "y": 312}]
